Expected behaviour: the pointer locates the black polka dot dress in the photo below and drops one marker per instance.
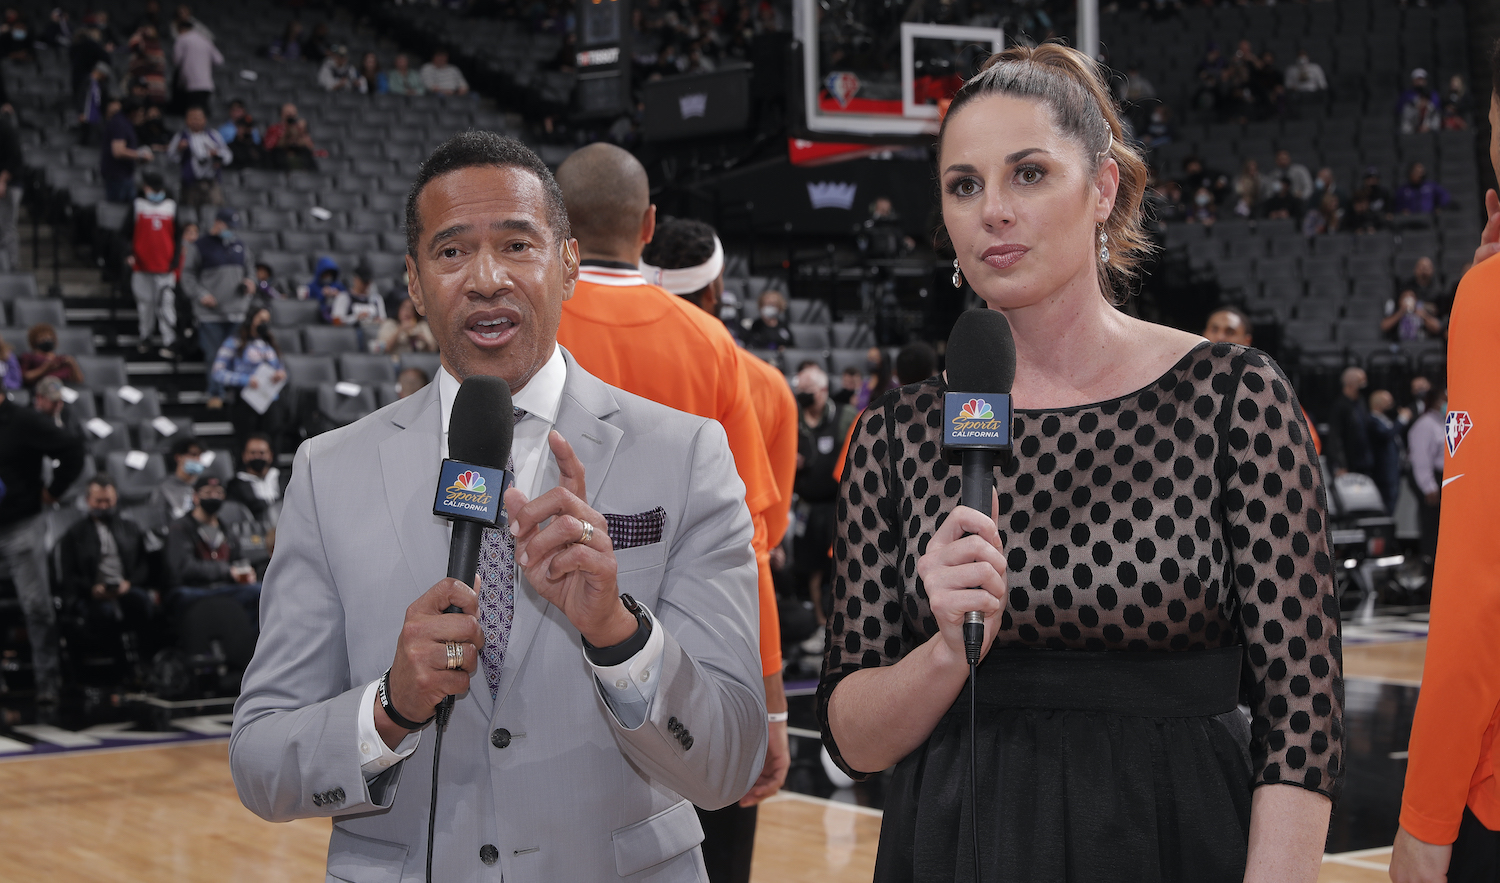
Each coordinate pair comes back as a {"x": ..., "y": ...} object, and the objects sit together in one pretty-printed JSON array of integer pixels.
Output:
[{"x": 1167, "y": 558}]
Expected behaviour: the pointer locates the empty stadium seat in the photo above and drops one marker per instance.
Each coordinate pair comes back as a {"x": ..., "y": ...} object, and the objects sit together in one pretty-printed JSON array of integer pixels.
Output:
[
  {"x": 116, "y": 438},
  {"x": 304, "y": 241},
  {"x": 75, "y": 341},
  {"x": 307, "y": 371},
  {"x": 220, "y": 465},
  {"x": 340, "y": 409},
  {"x": 154, "y": 441},
  {"x": 134, "y": 485},
  {"x": 429, "y": 363},
  {"x": 813, "y": 337},
  {"x": 102, "y": 372},
  {"x": 288, "y": 313},
  {"x": 26, "y": 313},
  {"x": 847, "y": 335},
  {"x": 14, "y": 286},
  {"x": 356, "y": 242},
  {"x": 801, "y": 310},
  {"x": 117, "y": 407},
  {"x": 840, "y": 359},
  {"x": 330, "y": 339},
  {"x": 366, "y": 368},
  {"x": 793, "y": 357}
]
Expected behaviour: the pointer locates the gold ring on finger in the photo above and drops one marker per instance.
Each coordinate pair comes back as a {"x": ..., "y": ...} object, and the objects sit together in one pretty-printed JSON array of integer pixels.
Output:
[
  {"x": 454, "y": 656},
  {"x": 588, "y": 533}
]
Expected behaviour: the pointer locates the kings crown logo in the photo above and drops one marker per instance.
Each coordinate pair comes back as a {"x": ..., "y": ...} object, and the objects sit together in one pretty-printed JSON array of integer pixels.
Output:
[
  {"x": 831, "y": 194},
  {"x": 468, "y": 482},
  {"x": 976, "y": 409}
]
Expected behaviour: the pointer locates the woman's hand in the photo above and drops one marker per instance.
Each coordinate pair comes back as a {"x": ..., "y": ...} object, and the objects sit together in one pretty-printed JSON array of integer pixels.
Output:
[
  {"x": 278, "y": 377},
  {"x": 963, "y": 573}
]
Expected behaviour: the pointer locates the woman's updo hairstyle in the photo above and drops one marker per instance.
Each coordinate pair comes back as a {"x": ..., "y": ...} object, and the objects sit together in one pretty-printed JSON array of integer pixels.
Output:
[{"x": 1073, "y": 87}]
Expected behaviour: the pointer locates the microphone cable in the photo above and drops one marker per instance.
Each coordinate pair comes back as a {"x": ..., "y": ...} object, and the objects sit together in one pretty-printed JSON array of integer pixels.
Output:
[
  {"x": 444, "y": 710},
  {"x": 973, "y": 764}
]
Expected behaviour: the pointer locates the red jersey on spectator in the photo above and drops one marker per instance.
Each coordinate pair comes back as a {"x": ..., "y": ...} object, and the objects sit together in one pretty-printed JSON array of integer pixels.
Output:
[{"x": 155, "y": 239}]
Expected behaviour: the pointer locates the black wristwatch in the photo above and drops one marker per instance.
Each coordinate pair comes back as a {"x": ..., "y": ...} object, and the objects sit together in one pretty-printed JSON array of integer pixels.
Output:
[
  {"x": 390, "y": 710},
  {"x": 618, "y": 653}
]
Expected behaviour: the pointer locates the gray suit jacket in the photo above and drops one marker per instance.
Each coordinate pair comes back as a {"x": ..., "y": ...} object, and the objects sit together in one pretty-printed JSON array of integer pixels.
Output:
[{"x": 572, "y": 795}]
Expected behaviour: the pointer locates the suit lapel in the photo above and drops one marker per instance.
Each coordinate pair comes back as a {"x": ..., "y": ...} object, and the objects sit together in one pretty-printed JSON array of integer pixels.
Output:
[{"x": 586, "y": 400}]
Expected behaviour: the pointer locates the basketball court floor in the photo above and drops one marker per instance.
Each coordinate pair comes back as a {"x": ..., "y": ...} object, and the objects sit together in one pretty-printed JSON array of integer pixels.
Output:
[{"x": 132, "y": 792}]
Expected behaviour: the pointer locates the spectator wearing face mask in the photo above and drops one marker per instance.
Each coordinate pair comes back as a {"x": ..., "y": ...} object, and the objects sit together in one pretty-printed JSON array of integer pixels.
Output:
[
  {"x": 878, "y": 369},
  {"x": 822, "y": 427},
  {"x": 202, "y": 152},
  {"x": 43, "y": 360},
  {"x": 1408, "y": 318},
  {"x": 257, "y": 486},
  {"x": 204, "y": 559},
  {"x": 1385, "y": 447},
  {"x": 216, "y": 276},
  {"x": 103, "y": 569},
  {"x": 1419, "y": 196},
  {"x": 1305, "y": 75},
  {"x": 1204, "y": 210},
  {"x": 237, "y": 367},
  {"x": 769, "y": 332},
  {"x": 173, "y": 498},
  {"x": 152, "y": 230}
]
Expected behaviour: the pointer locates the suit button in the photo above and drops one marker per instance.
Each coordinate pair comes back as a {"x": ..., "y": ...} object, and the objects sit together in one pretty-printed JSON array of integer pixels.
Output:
[
  {"x": 338, "y": 794},
  {"x": 672, "y": 724},
  {"x": 500, "y": 738},
  {"x": 489, "y": 854},
  {"x": 687, "y": 742},
  {"x": 318, "y": 799}
]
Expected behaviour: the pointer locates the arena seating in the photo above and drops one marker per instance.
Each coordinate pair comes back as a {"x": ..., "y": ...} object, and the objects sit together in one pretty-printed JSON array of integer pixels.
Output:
[{"x": 1323, "y": 296}]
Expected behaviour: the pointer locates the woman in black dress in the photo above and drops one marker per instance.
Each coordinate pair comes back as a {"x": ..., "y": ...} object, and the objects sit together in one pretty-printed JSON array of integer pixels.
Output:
[{"x": 1157, "y": 554}]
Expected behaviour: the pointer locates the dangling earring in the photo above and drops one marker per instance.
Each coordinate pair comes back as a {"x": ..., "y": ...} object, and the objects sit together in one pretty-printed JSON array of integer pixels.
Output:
[
  {"x": 958, "y": 275},
  {"x": 1103, "y": 245}
]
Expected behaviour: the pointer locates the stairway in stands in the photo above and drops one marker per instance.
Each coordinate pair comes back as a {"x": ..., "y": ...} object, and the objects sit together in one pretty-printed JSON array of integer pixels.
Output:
[{"x": 89, "y": 301}]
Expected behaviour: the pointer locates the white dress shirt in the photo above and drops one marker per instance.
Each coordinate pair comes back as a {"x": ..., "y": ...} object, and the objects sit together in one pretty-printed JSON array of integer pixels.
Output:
[{"x": 628, "y": 687}]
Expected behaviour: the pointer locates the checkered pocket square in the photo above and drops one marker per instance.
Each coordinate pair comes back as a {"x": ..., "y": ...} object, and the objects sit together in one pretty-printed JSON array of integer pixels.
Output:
[{"x": 641, "y": 529}]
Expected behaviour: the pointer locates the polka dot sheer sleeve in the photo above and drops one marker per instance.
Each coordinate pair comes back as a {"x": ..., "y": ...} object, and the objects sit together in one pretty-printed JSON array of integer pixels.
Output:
[{"x": 1275, "y": 513}]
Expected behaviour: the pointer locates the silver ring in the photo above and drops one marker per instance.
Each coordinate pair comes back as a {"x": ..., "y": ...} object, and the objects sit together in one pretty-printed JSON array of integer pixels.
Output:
[
  {"x": 588, "y": 532},
  {"x": 455, "y": 656}
]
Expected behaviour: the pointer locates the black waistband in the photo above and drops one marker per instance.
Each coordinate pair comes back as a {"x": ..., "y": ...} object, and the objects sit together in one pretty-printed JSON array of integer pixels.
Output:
[{"x": 1160, "y": 684}]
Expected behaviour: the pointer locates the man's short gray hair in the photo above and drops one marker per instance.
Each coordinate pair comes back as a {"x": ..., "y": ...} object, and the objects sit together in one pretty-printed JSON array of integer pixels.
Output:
[
  {"x": 49, "y": 388},
  {"x": 817, "y": 375}
]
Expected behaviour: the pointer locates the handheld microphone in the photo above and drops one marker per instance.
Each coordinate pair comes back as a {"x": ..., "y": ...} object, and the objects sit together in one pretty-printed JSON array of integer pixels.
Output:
[
  {"x": 472, "y": 483},
  {"x": 977, "y": 419}
]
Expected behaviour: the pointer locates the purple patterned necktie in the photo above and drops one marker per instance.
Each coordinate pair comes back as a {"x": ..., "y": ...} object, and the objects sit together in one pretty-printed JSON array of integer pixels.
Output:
[{"x": 497, "y": 593}]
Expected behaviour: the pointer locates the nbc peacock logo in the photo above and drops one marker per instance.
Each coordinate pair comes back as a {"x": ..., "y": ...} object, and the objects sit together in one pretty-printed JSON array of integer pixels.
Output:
[
  {"x": 976, "y": 409},
  {"x": 470, "y": 482}
]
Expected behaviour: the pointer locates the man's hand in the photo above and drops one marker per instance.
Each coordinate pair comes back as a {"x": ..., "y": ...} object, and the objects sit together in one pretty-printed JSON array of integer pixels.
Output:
[
  {"x": 773, "y": 774},
  {"x": 1432, "y": 498},
  {"x": 1489, "y": 240},
  {"x": 209, "y": 301},
  {"x": 420, "y": 677},
  {"x": 99, "y": 591},
  {"x": 578, "y": 577},
  {"x": 122, "y": 588},
  {"x": 1413, "y": 861}
]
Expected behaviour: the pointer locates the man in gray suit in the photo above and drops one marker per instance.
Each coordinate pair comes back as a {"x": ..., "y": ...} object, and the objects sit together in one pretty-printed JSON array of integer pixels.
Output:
[{"x": 615, "y": 675}]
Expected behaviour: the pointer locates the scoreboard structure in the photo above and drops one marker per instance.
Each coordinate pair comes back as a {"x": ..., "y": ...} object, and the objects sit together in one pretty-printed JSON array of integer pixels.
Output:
[{"x": 603, "y": 41}]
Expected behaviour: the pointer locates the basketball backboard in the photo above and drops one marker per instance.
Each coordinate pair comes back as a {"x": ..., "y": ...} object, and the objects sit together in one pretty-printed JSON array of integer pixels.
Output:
[{"x": 875, "y": 68}]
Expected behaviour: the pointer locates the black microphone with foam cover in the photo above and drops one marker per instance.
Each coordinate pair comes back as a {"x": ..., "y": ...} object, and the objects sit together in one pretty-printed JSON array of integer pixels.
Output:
[
  {"x": 480, "y": 430},
  {"x": 981, "y": 369},
  {"x": 472, "y": 483}
]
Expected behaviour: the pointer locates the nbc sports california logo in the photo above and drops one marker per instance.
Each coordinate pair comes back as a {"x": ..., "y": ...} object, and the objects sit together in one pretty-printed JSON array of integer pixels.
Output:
[
  {"x": 976, "y": 409},
  {"x": 471, "y": 482}
]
